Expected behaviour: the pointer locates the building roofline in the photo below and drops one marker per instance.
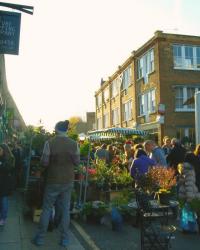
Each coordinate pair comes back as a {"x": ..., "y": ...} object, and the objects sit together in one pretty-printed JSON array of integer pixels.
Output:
[
  {"x": 159, "y": 34},
  {"x": 115, "y": 74}
]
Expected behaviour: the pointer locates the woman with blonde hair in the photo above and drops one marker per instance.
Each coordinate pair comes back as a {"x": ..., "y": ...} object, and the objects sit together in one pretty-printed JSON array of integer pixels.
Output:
[{"x": 197, "y": 151}]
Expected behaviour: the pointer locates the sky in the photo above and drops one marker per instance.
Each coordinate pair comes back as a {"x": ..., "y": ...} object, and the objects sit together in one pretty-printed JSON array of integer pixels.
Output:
[{"x": 67, "y": 46}]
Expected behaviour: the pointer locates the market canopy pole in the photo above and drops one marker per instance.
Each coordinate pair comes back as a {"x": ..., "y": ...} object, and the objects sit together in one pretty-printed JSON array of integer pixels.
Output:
[{"x": 24, "y": 8}]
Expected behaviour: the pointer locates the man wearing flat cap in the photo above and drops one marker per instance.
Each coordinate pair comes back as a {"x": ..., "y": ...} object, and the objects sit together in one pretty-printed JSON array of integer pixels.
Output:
[{"x": 60, "y": 156}]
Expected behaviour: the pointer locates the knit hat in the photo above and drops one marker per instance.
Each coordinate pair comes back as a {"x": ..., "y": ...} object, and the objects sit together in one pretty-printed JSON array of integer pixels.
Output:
[{"x": 62, "y": 126}]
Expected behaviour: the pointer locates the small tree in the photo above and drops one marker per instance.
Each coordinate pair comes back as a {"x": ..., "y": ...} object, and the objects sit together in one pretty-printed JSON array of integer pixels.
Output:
[
  {"x": 73, "y": 121},
  {"x": 38, "y": 136}
]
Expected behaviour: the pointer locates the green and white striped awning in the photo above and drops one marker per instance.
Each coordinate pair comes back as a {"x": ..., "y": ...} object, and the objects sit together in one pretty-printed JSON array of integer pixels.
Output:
[
  {"x": 95, "y": 137},
  {"x": 119, "y": 131}
]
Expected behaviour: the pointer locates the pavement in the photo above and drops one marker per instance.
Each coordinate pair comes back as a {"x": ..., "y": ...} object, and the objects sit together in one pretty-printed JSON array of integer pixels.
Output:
[
  {"x": 102, "y": 237},
  {"x": 19, "y": 230}
]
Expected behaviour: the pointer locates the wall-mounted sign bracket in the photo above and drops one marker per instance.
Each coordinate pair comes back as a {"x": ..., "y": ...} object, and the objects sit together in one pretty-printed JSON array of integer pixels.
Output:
[{"x": 24, "y": 8}]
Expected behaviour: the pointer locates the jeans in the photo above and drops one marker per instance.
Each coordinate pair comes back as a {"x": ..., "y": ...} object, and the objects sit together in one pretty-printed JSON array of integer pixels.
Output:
[
  {"x": 3, "y": 207},
  {"x": 56, "y": 193}
]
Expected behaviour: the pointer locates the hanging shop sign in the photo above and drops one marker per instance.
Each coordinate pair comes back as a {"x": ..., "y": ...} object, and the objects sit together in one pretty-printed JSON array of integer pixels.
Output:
[
  {"x": 160, "y": 119},
  {"x": 161, "y": 108},
  {"x": 9, "y": 32}
]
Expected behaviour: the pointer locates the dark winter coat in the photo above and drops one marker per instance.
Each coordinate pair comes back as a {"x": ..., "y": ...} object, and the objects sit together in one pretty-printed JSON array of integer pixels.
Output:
[
  {"x": 176, "y": 156},
  {"x": 6, "y": 175}
]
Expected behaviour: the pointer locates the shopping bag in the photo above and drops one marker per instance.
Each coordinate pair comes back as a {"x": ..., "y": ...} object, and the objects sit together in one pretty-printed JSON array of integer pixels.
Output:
[{"x": 188, "y": 219}]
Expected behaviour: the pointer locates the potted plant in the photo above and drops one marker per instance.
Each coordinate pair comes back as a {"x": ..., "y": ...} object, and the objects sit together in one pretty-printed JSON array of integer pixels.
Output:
[
  {"x": 121, "y": 203},
  {"x": 147, "y": 185},
  {"x": 121, "y": 180},
  {"x": 93, "y": 211},
  {"x": 165, "y": 179},
  {"x": 84, "y": 149},
  {"x": 103, "y": 176}
]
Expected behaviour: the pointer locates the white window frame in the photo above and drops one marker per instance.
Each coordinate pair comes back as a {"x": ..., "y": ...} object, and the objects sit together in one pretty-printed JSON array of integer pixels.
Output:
[
  {"x": 115, "y": 116},
  {"x": 106, "y": 94},
  {"x": 145, "y": 65},
  {"x": 128, "y": 110},
  {"x": 106, "y": 120},
  {"x": 147, "y": 103},
  {"x": 115, "y": 87},
  {"x": 99, "y": 100},
  {"x": 126, "y": 78},
  {"x": 181, "y": 62},
  {"x": 186, "y": 108}
]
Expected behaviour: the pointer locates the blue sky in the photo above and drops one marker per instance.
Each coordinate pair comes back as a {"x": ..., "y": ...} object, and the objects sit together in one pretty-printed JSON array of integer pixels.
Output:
[{"x": 68, "y": 45}]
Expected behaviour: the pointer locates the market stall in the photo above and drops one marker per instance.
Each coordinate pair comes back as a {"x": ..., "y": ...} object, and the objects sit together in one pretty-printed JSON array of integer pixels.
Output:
[{"x": 113, "y": 134}]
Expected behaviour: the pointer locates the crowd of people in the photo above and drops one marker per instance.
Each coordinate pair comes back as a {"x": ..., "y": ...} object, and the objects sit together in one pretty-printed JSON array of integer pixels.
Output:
[
  {"x": 139, "y": 157},
  {"x": 11, "y": 169},
  {"x": 61, "y": 155}
]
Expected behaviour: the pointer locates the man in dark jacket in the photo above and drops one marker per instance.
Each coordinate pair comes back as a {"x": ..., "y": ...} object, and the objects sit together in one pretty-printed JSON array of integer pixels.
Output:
[
  {"x": 177, "y": 154},
  {"x": 155, "y": 152},
  {"x": 60, "y": 156}
]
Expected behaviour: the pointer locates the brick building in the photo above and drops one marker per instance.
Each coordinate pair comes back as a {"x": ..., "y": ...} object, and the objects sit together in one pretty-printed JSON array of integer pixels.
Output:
[
  {"x": 85, "y": 126},
  {"x": 149, "y": 89}
]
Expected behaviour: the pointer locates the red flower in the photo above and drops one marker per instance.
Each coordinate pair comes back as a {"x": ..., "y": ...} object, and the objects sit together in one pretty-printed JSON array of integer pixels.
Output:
[{"x": 91, "y": 171}]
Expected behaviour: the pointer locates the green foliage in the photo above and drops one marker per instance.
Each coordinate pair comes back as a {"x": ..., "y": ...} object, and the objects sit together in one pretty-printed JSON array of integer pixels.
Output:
[
  {"x": 73, "y": 134},
  {"x": 87, "y": 208},
  {"x": 103, "y": 174},
  {"x": 195, "y": 205},
  {"x": 84, "y": 148},
  {"x": 74, "y": 196},
  {"x": 121, "y": 202},
  {"x": 38, "y": 135},
  {"x": 39, "y": 138},
  {"x": 73, "y": 122},
  {"x": 181, "y": 202},
  {"x": 108, "y": 175},
  {"x": 95, "y": 208},
  {"x": 124, "y": 178}
]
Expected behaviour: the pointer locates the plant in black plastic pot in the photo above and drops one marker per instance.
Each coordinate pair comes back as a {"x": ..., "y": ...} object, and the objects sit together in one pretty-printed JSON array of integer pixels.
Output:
[{"x": 93, "y": 211}]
